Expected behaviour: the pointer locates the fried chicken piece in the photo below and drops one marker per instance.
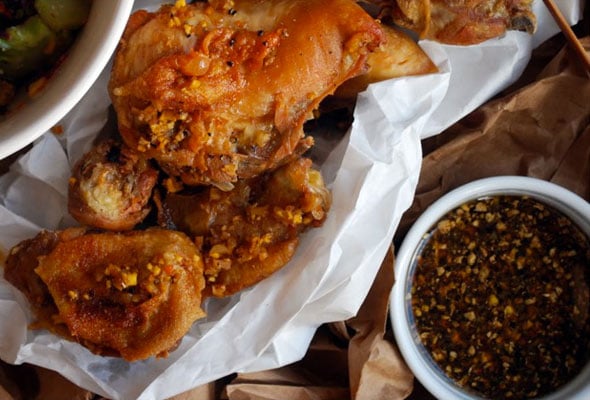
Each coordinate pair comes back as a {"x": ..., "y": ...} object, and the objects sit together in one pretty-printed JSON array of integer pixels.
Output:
[
  {"x": 253, "y": 230},
  {"x": 111, "y": 187},
  {"x": 461, "y": 22},
  {"x": 132, "y": 294},
  {"x": 399, "y": 56},
  {"x": 219, "y": 91}
]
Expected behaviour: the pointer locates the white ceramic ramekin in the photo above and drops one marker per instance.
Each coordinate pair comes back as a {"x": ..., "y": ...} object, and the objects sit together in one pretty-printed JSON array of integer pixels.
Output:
[{"x": 414, "y": 353}]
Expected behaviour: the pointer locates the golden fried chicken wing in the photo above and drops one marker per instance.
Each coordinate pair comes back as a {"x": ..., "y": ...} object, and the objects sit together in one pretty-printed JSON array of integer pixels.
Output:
[
  {"x": 132, "y": 294},
  {"x": 461, "y": 22},
  {"x": 253, "y": 230},
  {"x": 216, "y": 91},
  {"x": 111, "y": 186}
]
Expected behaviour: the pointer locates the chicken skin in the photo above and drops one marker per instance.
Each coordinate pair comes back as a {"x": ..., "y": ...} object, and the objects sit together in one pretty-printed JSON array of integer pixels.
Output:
[
  {"x": 218, "y": 91},
  {"x": 20, "y": 272},
  {"x": 250, "y": 232},
  {"x": 133, "y": 294},
  {"x": 461, "y": 22}
]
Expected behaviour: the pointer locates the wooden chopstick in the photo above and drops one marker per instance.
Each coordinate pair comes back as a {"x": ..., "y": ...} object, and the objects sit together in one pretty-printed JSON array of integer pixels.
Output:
[{"x": 569, "y": 34}]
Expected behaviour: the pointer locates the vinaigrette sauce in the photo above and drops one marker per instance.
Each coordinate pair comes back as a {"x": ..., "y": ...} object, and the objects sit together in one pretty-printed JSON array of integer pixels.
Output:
[{"x": 501, "y": 297}]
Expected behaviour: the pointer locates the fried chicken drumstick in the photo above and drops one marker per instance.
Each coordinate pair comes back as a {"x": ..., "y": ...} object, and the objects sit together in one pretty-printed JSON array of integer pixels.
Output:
[
  {"x": 132, "y": 295},
  {"x": 220, "y": 90},
  {"x": 110, "y": 187}
]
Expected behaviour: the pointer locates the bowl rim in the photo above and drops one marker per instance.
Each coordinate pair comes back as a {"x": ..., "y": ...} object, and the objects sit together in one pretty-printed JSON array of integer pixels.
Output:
[
  {"x": 550, "y": 193},
  {"x": 87, "y": 57}
]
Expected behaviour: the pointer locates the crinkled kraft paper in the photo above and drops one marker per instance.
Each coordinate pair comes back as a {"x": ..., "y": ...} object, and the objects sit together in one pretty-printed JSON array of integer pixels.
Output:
[{"x": 372, "y": 172}]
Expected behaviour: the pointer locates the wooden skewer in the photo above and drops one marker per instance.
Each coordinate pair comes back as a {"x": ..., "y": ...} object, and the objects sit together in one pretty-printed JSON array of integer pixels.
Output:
[{"x": 569, "y": 34}]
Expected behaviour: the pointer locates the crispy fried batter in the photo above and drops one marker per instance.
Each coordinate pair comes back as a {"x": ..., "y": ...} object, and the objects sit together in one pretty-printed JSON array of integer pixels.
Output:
[
  {"x": 253, "y": 230},
  {"x": 131, "y": 294},
  {"x": 461, "y": 22},
  {"x": 219, "y": 91},
  {"x": 111, "y": 186},
  {"x": 20, "y": 271}
]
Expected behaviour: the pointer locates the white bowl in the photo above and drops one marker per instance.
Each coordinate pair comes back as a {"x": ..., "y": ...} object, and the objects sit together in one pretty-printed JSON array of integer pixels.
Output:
[
  {"x": 414, "y": 353},
  {"x": 86, "y": 59}
]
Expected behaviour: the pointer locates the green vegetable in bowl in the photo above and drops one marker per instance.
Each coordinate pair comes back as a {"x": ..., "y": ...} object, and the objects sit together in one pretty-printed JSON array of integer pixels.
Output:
[
  {"x": 24, "y": 47},
  {"x": 63, "y": 14},
  {"x": 31, "y": 47}
]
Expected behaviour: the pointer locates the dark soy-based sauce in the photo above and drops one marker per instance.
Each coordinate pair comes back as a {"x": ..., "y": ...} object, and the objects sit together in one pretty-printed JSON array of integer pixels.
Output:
[{"x": 501, "y": 297}]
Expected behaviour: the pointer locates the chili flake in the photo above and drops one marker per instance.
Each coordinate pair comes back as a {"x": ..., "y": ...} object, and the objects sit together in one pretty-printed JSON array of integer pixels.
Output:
[{"x": 501, "y": 297}]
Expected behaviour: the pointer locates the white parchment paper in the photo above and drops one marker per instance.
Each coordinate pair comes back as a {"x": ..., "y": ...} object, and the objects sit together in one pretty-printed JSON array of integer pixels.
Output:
[{"x": 372, "y": 172}]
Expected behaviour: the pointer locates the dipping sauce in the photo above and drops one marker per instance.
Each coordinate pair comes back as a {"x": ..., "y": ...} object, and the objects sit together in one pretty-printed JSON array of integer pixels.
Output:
[{"x": 500, "y": 297}]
